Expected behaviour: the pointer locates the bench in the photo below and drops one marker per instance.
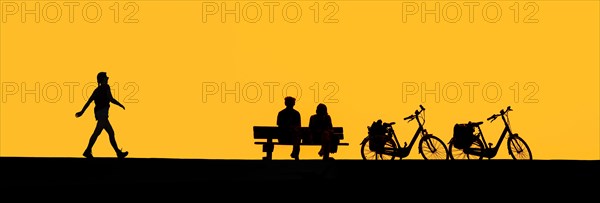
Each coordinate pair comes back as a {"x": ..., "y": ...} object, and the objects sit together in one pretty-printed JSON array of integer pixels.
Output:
[{"x": 267, "y": 137}]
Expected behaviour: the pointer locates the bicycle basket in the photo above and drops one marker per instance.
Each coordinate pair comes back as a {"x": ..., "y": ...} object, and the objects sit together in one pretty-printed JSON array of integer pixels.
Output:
[
  {"x": 377, "y": 133},
  {"x": 464, "y": 135}
]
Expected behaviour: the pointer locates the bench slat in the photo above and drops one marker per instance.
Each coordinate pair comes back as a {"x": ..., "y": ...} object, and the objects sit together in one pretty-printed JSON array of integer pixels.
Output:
[
  {"x": 276, "y": 143},
  {"x": 266, "y": 132}
]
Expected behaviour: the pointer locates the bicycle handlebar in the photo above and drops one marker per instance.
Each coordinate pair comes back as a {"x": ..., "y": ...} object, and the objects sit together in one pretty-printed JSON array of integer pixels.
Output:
[
  {"x": 417, "y": 112},
  {"x": 502, "y": 112},
  {"x": 493, "y": 117}
]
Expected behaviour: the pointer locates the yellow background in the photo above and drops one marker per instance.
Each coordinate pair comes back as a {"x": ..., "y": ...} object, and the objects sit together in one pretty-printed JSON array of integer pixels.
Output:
[{"x": 159, "y": 64}]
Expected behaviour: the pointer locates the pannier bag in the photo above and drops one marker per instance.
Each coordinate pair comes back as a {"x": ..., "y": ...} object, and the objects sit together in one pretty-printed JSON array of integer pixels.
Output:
[
  {"x": 377, "y": 136},
  {"x": 463, "y": 135}
]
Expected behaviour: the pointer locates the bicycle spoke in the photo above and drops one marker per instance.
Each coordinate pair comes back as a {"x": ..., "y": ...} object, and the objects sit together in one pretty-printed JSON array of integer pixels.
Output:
[
  {"x": 387, "y": 153},
  {"x": 518, "y": 149},
  {"x": 433, "y": 148},
  {"x": 517, "y": 146}
]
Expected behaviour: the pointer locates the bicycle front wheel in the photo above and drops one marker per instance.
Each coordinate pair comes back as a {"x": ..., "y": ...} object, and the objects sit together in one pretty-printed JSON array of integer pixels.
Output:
[
  {"x": 518, "y": 148},
  {"x": 386, "y": 154},
  {"x": 432, "y": 147}
]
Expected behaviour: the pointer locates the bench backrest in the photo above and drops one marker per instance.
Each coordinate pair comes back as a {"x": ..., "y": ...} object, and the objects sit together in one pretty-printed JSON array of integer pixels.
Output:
[{"x": 266, "y": 132}]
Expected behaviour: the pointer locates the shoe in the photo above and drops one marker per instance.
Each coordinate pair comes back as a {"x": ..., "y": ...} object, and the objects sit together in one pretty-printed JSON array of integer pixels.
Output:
[
  {"x": 295, "y": 156},
  {"x": 88, "y": 155},
  {"x": 122, "y": 154}
]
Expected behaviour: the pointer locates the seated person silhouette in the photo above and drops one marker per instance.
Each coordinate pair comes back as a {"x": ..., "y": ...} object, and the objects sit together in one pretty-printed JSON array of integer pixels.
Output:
[
  {"x": 321, "y": 128},
  {"x": 288, "y": 121}
]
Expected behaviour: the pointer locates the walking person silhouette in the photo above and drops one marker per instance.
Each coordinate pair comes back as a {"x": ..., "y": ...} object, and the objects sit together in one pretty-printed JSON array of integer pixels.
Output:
[{"x": 102, "y": 98}]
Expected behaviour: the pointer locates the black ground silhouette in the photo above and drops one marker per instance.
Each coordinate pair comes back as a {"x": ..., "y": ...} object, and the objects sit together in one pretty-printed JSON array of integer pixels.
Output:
[{"x": 207, "y": 177}]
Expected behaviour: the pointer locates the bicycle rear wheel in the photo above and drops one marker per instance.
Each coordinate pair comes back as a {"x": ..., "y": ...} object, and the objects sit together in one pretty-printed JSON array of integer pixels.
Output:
[
  {"x": 459, "y": 154},
  {"x": 432, "y": 147},
  {"x": 387, "y": 153},
  {"x": 518, "y": 148}
]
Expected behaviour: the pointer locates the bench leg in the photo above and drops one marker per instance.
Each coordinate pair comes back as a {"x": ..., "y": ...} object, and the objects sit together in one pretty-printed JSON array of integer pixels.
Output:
[{"x": 268, "y": 148}]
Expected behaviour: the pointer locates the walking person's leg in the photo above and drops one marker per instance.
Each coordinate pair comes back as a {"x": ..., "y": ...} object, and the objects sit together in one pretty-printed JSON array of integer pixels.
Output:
[
  {"x": 88, "y": 150},
  {"x": 113, "y": 142}
]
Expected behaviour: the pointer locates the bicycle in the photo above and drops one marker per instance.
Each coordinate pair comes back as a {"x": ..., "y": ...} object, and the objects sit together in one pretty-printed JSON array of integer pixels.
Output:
[
  {"x": 430, "y": 146},
  {"x": 517, "y": 147}
]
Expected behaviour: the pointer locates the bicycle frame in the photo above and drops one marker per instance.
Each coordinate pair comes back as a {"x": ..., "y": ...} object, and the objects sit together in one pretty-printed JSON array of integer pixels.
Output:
[
  {"x": 404, "y": 151},
  {"x": 489, "y": 151}
]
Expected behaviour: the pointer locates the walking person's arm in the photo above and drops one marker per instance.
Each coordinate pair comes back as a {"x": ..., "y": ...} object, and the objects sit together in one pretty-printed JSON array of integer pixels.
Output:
[
  {"x": 89, "y": 101},
  {"x": 114, "y": 101}
]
